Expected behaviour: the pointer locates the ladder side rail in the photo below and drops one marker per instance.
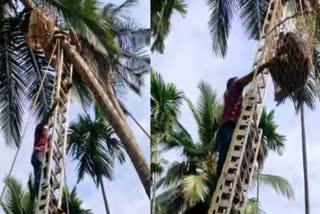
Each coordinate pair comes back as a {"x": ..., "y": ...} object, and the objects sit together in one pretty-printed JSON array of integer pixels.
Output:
[
  {"x": 65, "y": 137},
  {"x": 45, "y": 181}
]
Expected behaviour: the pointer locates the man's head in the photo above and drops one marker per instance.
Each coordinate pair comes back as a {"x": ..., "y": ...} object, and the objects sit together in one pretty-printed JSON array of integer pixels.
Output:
[
  {"x": 230, "y": 82},
  {"x": 42, "y": 128}
]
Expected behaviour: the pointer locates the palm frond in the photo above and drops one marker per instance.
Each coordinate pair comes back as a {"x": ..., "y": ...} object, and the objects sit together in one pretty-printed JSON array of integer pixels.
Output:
[
  {"x": 253, "y": 207},
  {"x": 14, "y": 193},
  {"x": 39, "y": 69},
  {"x": 74, "y": 202},
  {"x": 175, "y": 173},
  {"x": 170, "y": 201},
  {"x": 120, "y": 8},
  {"x": 165, "y": 102},
  {"x": 272, "y": 140},
  {"x": 279, "y": 184},
  {"x": 161, "y": 21},
  {"x": 209, "y": 112},
  {"x": 194, "y": 189},
  {"x": 81, "y": 92},
  {"x": 83, "y": 17},
  {"x": 12, "y": 82},
  {"x": 252, "y": 14},
  {"x": 221, "y": 14},
  {"x": 91, "y": 144}
]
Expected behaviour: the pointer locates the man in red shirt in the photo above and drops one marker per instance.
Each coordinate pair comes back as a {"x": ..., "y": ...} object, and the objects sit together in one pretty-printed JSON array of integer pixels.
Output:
[
  {"x": 232, "y": 109},
  {"x": 39, "y": 149}
]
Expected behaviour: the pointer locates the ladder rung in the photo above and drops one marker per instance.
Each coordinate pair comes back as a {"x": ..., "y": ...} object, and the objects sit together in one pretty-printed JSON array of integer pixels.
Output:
[
  {"x": 55, "y": 180},
  {"x": 56, "y": 158}
]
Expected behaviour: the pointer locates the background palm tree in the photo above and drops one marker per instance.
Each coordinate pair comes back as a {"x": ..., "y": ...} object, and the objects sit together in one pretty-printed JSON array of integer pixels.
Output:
[
  {"x": 74, "y": 203},
  {"x": 92, "y": 144},
  {"x": 161, "y": 13},
  {"x": 104, "y": 33},
  {"x": 18, "y": 200},
  {"x": 189, "y": 184},
  {"x": 166, "y": 100}
]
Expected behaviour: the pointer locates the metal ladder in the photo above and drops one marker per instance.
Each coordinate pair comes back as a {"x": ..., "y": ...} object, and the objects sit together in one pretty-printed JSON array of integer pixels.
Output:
[
  {"x": 240, "y": 164},
  {"x": 53, "y": 171}
]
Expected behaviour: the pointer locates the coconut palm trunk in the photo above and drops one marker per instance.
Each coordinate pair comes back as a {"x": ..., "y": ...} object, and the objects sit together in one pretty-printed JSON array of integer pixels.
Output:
[
  {"x": 106, "y": 205},
  {"x": 154, "y": 182},
  {"x": 114, "y": 117},
  {"x": 305, "y": 166},
  {"x": 119, "y": 125}
]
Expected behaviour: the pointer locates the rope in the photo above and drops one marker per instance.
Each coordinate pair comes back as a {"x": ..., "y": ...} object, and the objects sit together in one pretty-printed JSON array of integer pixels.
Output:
[
  {"x": 29, "y": 118},
  {"x": 138, "y": 124},
  {"x": 64, "y": 166}
]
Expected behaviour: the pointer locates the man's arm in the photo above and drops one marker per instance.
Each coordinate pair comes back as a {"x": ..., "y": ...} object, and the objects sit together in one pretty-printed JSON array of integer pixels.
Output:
[
  {"x": 46, "y": 117},
  {"x": 244, "y": 81}
]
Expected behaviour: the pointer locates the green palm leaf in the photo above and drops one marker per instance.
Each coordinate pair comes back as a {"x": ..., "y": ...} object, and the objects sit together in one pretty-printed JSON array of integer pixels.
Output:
[
  {"x": 92, "y": 145},
  {"x": 252, "y": 14},
  {"x": 279, "y": 184},
  {"x": 12, "y": 203},
  {"x": 12, "y": 83},
  {"x": 161, "y": 13},
  {"x": 74, "y": 203},
  {"x": 272, "y": 141},
  {"x": 221, "y": 14},
  {"x": 253, "y": 207},
  {"x": 209, "y": 111},
  {"x": 165, "y": 102},
  {"x": 194, "y": 189}
]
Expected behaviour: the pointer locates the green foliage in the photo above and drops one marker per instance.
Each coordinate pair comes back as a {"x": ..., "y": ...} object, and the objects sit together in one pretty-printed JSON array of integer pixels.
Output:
[
  {"x": 279, "y": 184},
  {"x": 165, "y": 102},
  {"x": 221, "y": 14},
  {"x": 189, "y": 184},
  {"x": 161, "y": 13},
  {"x": 271, "y": 140},
  {"x": 252, "y": 14},
  {"x": 18, "y": 200},
  {"x": 92, "y": 145},
  {"x": 74, "y": 202},
  {"x": 253, "y": 207}
]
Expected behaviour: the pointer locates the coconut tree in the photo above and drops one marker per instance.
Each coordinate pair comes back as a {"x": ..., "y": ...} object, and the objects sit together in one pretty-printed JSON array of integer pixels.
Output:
[
  {"x": 92, "y": 144},
  {"x": 161, "y": 13},
  {"x": 166, "y": 100},
  {"x": 189, "y": 183},
  {"x": 23, "y": 63}
]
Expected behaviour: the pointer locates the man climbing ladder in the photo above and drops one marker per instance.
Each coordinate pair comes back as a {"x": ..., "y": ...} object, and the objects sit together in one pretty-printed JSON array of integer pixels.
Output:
[
  {"x": 41, "y": 143},
  {"x": 231, "y": 113}
]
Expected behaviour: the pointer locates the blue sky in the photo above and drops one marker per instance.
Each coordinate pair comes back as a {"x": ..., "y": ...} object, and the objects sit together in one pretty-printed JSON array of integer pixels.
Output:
[
  {"x": 189, "y": 59},
  {"x": 126, "y": 194}
]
